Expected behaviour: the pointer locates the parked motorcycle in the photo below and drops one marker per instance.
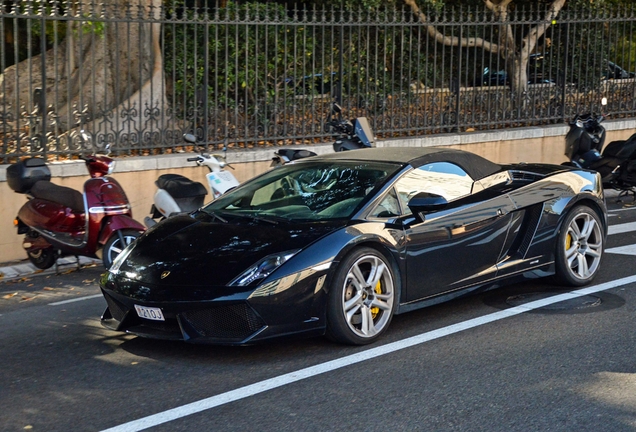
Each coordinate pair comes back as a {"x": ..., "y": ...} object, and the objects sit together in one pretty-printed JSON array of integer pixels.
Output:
[
  {"x": 285, "y": 156},
  {"x": 349, "y": 136},
  {"x": 58, "y": 220},
  {"x": 178, "y": 194},
  {"x": 616, "y": 162}
]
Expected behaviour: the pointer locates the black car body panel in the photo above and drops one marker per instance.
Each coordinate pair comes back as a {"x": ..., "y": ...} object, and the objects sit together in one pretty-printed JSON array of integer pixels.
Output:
[{"x": 187, "y": 266}]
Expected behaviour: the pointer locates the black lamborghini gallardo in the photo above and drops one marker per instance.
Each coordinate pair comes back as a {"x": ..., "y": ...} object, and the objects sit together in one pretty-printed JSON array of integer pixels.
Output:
[{"x": 338, "y": 244}]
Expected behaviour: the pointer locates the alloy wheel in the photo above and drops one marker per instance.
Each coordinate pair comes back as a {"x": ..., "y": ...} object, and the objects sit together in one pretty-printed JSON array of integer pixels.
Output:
[
  {"x": 368, "y": 296},
  {"x": 583, "y": 245}
]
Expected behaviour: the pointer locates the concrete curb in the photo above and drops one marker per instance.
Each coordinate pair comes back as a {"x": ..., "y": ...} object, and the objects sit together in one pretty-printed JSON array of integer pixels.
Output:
[{"x": 22, "y": 269}]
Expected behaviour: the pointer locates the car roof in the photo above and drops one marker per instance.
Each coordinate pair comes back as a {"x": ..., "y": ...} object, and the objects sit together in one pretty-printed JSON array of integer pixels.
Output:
[{"x": 476, "y": 166}]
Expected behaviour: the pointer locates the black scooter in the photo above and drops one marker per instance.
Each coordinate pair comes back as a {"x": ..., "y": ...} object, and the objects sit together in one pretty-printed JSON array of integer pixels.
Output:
[
  {"x": 616, "y": 162},
  {"x": 349, "y": 135}
]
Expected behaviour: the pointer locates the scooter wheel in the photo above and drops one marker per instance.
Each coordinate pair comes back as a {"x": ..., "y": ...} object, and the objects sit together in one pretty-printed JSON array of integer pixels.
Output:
[
  {"x": 116, "y": 244},
  {"x": 43, "y": 258}
]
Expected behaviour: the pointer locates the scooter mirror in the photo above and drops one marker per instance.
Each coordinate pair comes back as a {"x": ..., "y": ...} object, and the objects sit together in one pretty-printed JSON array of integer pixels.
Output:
[
  {"x": 190, "y": 138},
  {"x": 604, "y": 101},
  {"x": 85, "y": 139}
]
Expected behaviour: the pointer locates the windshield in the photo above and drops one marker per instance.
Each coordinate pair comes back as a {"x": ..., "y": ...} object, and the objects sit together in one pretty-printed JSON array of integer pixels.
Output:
[{"x": 309, "y": 190}]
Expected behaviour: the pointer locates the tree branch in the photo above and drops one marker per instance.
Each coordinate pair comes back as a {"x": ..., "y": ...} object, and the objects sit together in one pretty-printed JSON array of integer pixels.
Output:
[
  {"x": 490, "y": 5},
  {"x": 450, "y": 40},
  {"x": 530, "y": 41}
]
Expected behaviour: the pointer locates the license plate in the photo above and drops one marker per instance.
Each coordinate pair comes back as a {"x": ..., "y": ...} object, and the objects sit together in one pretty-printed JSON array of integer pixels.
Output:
[{"x": 149, "y": 313}]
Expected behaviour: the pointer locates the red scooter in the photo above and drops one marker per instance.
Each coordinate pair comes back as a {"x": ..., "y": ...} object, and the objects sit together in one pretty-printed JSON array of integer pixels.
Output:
[{"x": 58, "y": 220}]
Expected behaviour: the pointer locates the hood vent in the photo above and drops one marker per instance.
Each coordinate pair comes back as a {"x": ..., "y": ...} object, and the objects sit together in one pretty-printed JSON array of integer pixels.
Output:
[{"x": 525, "y": 176}]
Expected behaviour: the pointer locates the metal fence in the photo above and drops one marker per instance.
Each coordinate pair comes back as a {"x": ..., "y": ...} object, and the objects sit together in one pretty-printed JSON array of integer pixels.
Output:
[{"x": 135, "y": 78}]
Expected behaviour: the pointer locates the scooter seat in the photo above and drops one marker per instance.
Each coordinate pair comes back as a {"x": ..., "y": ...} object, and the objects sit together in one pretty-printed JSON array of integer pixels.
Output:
[
  {"x": 179, "y": 186},
  {"x": 293, "y": 155},
  {"x": 624, "y": 149},
  {"x": 605, "y": 165},
  {"x": 62, "y": 195}
]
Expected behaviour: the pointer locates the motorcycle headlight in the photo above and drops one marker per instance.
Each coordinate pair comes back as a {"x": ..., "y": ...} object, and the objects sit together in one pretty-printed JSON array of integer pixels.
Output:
[{"x": 263, "y": 268}]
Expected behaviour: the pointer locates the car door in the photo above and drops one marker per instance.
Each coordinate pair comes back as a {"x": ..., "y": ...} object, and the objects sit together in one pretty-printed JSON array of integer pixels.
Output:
[{"x": 458, "y": 245}]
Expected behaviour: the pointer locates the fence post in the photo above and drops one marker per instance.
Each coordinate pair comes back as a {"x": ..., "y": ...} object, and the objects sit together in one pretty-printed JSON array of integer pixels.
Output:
[
  {"x": 206, "y": 79},
  {"x": 341, "y": 57},
  {"x": 459, "y": 69},
  {"x": 565, "y": 68},
  {"x": 42, "y": 102}
]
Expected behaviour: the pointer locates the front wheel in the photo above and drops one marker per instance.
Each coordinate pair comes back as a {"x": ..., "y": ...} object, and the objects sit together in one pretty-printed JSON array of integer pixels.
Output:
[
  {"x": 116, "y": 244},
  {"x": 362, "y": 299},
  {"x": 579, "y": 247},
  {"x": 43, "y": 258}
]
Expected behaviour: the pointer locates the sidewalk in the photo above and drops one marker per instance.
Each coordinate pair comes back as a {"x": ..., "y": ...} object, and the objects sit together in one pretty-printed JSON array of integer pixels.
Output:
[{"x": 20, "y": 269}]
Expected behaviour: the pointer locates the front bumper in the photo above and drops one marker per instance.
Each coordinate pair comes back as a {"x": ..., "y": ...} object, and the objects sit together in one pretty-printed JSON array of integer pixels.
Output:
[{"x": 232, "y": 323}]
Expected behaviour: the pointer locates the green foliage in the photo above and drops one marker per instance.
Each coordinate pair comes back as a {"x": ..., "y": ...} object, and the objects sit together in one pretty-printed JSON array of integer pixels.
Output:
[
  {"x": 240, "y": 63},
  {"x": 623, "y": 52},
  {"x": 45, "y": 21},
  {"x": 248, "y": 62}
]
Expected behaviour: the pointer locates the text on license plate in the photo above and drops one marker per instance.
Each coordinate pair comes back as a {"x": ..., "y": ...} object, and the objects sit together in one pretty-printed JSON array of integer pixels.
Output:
[{"x": 149, "y": 313}]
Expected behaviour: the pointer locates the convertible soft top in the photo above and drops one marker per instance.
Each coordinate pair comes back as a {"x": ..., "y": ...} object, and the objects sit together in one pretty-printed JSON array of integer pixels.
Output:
[{"x": 476, "y": 166}]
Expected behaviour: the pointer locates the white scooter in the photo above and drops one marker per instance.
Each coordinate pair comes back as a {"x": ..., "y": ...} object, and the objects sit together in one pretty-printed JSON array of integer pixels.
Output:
[{"x": 178, "y": 194}]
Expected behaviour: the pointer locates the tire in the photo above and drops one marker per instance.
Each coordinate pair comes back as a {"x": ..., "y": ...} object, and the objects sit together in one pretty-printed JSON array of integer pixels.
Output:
[
  {"x": 579, "y": 247},
  {"x": 43, "y": 258},
  {"x": 362, "y": 299},
  {"x": 116, "y": 244}
]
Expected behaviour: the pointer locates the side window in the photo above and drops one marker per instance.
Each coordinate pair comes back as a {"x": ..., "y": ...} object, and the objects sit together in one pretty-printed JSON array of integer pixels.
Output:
[
  {"x": 441, "y": 178},
  {"x": 388, "y": 207}
]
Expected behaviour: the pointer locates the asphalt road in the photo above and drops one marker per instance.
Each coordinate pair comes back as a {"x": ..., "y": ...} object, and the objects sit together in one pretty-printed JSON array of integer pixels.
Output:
[{"x": 468, "y": 366}]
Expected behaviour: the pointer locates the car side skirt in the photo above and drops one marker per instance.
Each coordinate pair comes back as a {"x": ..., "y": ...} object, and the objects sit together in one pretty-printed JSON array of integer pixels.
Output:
[{"x": 540, "y": 271}]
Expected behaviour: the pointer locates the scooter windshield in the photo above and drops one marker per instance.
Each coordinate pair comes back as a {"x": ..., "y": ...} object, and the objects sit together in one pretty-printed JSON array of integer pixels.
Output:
[{"x": 363, "y": 130}]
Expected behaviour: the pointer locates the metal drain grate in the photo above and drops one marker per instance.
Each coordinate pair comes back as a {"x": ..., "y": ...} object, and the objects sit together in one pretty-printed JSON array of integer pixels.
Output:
[{"x": 578, "y": 303}]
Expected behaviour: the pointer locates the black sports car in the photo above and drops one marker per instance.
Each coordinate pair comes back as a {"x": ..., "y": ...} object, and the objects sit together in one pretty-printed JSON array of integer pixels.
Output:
[{"x": 338, "y": 244}]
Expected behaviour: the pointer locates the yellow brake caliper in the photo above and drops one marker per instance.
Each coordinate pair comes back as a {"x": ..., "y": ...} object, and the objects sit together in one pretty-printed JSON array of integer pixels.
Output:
[
  {"x": 568, "y": 241},
  {"x": 378, "y": 290}
]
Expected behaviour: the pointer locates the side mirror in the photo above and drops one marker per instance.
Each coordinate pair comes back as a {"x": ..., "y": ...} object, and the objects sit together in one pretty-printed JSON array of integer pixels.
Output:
[
  {"x": 190, "y": 138},
  {"x": 425, "y": 202}
]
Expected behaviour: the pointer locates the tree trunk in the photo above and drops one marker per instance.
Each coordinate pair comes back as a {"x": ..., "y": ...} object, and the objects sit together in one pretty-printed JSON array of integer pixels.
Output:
[
  {"x": 518, "y": 73},
  {"x": 515, "y": 56},
  {"x": 106, "y": 77}
]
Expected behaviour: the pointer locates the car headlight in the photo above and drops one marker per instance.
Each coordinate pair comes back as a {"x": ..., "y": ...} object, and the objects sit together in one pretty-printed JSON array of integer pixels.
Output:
[{"x": 263, "y": 268}]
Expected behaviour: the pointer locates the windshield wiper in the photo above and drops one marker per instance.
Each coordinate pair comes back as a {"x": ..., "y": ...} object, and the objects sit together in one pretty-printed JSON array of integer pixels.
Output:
[
  {"x": 250, "y": 216},
  {"x": 214, "y": 216}
]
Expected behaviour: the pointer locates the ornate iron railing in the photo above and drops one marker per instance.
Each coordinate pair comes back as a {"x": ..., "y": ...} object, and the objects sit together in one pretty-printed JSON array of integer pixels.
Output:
[{"x": 135, "y": 78}]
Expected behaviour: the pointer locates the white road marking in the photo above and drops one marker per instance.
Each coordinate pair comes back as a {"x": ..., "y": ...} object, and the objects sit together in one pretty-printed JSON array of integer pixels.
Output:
[
  {"x": 621, "y": 209},
  {"x": 622, "y": 228},
  {"x": 623, "y": 250},
  {"x": 282, "y": 380},
  {"x": 75, "y": 300}
]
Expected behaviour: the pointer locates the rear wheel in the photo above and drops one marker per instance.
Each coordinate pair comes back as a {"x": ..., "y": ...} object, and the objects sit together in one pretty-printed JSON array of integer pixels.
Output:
[
  {"x": 579, "y": 247},
  {"x": 362, "y": 299},
  {"x": 116, "y": 244},
  {"x": 43, "y": 258}
]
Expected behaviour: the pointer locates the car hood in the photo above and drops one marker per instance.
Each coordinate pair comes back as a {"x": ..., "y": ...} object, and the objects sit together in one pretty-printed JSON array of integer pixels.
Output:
[{"x": 206, "y": 252}]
